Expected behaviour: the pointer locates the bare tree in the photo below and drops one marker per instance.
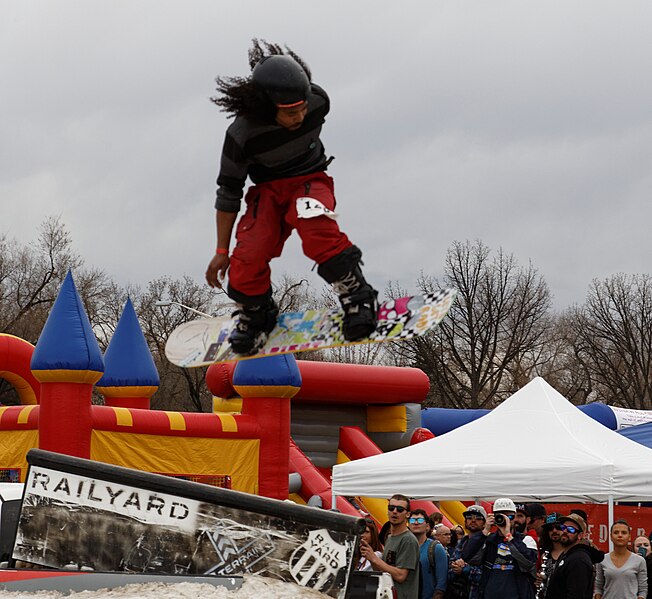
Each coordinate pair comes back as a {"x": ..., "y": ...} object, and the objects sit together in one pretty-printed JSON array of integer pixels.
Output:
[
  {"x": 563, "y": 366},
  {"x": 490, "y": 343},
  {"x": 180, "y": 388},
  {"x": 612, "y": 337},
  {"x": 30, "y": 279},
  {"x": 359, "y": 353},
  {"x": 294, "y": 295},
  {"x": 31, "y": 276}
]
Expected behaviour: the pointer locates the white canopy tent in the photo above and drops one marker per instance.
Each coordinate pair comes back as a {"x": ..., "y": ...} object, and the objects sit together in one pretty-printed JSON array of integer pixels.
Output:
[{"x": 536, "y": 446}]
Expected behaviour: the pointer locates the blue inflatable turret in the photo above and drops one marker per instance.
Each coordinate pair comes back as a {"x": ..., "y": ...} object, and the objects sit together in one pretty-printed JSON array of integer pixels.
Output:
[
  {"x": 67, "y": 350},
  {"x": 130, "y": 375},
  {"x": 67, "y": 361}
]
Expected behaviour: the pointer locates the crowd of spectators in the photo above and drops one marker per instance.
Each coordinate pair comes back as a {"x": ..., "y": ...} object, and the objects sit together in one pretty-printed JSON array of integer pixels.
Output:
[{"x": 518, "y": 551}]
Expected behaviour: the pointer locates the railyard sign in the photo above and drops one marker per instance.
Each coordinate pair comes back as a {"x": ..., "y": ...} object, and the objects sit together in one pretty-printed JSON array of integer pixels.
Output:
[{"x": 111, "y": 519}]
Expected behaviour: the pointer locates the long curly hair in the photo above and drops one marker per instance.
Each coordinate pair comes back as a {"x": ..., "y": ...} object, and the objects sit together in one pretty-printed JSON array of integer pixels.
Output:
[{"x": 238, "y": 96}]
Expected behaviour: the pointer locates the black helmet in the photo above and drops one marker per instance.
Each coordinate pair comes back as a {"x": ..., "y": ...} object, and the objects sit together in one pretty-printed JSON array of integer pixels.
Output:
[{"x": 282, "y": 79}]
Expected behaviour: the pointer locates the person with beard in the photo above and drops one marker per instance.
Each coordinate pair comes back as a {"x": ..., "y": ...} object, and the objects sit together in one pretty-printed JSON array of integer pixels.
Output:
[
  {"x": 464, "y": 575},
  {"x": 509, "y": 563},
  {"x": 551, "y": 548},
  {"x": 528, "y": 520},
  {"x": 520, "y": 519},
  {"x": 572, "y": 577},
  {"x": 400, "y": 557}
]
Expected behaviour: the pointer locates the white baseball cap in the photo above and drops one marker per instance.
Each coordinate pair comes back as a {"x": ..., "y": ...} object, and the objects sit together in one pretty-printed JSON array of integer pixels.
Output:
[{"x": 504, "y": 504}]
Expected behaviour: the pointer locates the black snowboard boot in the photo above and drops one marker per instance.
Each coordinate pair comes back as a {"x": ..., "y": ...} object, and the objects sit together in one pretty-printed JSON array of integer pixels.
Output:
[
  {"x": 358, "y": 298},
  {"x": 253, "y": 327}
]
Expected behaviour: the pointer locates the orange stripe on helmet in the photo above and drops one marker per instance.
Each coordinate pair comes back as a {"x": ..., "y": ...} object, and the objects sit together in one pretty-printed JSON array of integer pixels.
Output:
[{"x": 292, "y": 105}]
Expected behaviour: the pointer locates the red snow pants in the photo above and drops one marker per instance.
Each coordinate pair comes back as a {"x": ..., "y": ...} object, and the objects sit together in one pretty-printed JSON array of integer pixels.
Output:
[{"x": 270, "y": 218}]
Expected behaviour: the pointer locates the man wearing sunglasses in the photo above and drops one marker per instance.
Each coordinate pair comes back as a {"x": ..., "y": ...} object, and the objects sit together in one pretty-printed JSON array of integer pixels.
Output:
[
  {"x": 433, "y": 558},
  {"x": 509, "y": 562},
  {"x": 465, "y": 574},
  {"x": 572, "y": 578},
  {"x": 551, "y": 549},
  {"x": 401, "y": 554}
]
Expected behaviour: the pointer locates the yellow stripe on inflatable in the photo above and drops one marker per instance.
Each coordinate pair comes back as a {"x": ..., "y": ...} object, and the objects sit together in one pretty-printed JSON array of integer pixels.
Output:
[
  {"x": 23, "y": 417},
  {"x": 67, "y": 376},
  {"x": 134, "y": 391},
  {"x": 233, "y": 405},
  {"x": 281, "y": 391},
  {"x": 229, "y": 423},
  {"x": 386, "y": 419},
  {"x": 453, "y": 510},
  {"x": 123, "y": 417},
  {"x": 177, "y": 421},
  {"x": 297, "y": 498},
  {"x": 22, "y": 387}
]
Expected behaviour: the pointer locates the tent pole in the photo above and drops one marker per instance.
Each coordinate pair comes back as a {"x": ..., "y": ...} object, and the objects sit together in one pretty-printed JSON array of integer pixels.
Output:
[
  {"x": 610, "y": 510},
  {"x": 333, "y": 500}
]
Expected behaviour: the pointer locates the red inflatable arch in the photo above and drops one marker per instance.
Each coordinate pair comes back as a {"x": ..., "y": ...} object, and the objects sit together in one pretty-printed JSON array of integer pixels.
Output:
[{"x": 15, "y": 358}]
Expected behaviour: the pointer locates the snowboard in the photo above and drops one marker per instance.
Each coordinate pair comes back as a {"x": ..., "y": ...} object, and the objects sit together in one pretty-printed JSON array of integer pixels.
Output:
[{"x": 204, "y": 341}]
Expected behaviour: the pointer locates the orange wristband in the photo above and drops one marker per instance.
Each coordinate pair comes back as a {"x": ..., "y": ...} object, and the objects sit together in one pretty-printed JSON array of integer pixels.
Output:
[{"x": 223, "y": 251}]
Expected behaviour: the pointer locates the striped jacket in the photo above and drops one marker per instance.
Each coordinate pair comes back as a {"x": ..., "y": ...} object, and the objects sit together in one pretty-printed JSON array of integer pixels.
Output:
[{"x": 266, "y": 151}]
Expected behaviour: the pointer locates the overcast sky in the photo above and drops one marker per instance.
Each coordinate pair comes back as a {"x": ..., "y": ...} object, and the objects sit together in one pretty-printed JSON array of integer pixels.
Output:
[{"x": 527, "y": 125}]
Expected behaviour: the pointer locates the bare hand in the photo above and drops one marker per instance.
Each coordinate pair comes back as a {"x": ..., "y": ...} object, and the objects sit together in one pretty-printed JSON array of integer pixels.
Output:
[
  {"x": 457, "y": 566},
  {"x": 216, "y": 270},
  {"x": 489, "y": 523},
  {"x": 506, "y": 528},
  {"x": 366, "y": 551}
]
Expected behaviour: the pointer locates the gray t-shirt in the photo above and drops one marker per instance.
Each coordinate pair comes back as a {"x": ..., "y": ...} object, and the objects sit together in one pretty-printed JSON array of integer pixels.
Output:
[
  {"x": 402, "y": 551},
  {"x": 628, "y": 582}
]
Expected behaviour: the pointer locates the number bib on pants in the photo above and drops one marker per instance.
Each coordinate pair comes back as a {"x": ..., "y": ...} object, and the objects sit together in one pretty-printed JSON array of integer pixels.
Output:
[{"x": 310, "y": 208}]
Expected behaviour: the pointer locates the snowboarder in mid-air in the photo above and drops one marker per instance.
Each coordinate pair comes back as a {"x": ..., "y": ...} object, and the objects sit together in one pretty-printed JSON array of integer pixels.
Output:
[{"x": 274, "y": 140}]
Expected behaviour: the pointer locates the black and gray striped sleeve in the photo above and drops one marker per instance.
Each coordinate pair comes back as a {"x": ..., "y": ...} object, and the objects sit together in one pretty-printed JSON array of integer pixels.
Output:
[{"x": 233, "y": 173}]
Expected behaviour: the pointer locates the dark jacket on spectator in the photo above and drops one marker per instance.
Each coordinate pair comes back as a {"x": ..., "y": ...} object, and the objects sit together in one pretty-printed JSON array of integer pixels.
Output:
[
  {"x": 505, "y": 575},
  {"x": 573, "y": 574}
]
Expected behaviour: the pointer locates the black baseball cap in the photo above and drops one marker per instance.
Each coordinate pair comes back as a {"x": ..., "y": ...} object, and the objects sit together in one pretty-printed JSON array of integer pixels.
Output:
[
  {"x": 551, "y": 519},
  {"x": 477, "y": 510},
  {"x": 535, "y": 510}
]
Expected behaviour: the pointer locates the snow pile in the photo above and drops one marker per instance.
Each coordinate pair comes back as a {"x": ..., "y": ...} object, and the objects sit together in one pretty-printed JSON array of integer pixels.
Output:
[{"x": 253, "y": 587}]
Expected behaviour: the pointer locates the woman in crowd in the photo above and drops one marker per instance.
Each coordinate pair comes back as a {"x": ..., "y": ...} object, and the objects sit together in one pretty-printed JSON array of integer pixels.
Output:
[
  {"x": 643, "y": 547},
  {"x": 370, "y": 535},
  {"x": 457, "y": 532},
  {"x": 622, "y": 574}
]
